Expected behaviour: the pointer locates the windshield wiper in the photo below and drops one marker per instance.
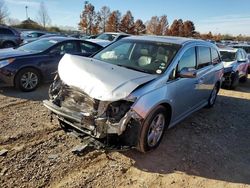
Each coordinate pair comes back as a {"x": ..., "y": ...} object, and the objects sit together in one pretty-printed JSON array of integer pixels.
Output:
[{"x": 135, "y": 68}]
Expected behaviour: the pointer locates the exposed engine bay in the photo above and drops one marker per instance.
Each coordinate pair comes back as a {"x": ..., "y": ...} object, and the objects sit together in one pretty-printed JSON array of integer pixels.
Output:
[{"x": 93, "y": 117}]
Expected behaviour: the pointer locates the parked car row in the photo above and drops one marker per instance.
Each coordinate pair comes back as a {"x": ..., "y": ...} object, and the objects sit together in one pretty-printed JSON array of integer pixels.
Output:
[
  {"x": 29, "y": 65},
  {"x": 9, "y": 37}
]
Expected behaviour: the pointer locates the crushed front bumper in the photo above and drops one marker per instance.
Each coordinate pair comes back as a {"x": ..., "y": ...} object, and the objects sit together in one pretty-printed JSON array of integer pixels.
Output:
[
  {"x": 94, "y": 126},
  {"x": 80, "y": 121}
]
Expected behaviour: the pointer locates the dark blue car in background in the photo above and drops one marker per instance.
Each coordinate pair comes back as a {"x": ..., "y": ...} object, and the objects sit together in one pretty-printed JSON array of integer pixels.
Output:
[{"x": 29, "y": 65}]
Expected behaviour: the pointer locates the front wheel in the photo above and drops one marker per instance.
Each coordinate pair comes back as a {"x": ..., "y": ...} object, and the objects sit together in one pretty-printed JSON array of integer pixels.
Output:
[
  {"x": 213, "y": 96},
  {"x": 244, "y": 78},
  {"x": 152, "y": 129},
  {"x": 235, "y": 81},
  {"x": 27, "y": 79}
]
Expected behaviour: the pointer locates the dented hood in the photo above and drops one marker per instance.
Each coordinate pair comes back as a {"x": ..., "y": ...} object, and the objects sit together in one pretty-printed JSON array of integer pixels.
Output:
[{"x": 100, "y": 80}]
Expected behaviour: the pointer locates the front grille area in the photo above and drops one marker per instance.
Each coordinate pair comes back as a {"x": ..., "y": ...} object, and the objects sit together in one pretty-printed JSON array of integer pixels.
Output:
[{"x": 78, "y": 101}]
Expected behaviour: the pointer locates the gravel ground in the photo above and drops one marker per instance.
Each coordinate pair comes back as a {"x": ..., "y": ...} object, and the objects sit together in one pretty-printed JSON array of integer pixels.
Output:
[{"x": 211, "y": 148}]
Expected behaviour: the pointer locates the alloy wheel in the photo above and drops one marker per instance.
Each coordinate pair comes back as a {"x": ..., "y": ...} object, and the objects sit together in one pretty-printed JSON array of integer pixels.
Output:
[
  {"x": 155, "y": 130},
  {"x": 29, "y": 80}
]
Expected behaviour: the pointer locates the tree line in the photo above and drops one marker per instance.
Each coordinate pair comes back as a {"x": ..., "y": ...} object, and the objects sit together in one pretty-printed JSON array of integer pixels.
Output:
[{"x": 93, "y": 22}]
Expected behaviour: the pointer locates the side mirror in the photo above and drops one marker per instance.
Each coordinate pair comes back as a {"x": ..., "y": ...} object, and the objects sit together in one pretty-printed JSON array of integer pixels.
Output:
[{"x": 188, "y": 73}]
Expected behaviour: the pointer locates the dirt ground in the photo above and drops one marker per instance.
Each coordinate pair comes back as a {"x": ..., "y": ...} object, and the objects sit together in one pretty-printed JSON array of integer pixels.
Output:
[{"x": 211, "y": 148}]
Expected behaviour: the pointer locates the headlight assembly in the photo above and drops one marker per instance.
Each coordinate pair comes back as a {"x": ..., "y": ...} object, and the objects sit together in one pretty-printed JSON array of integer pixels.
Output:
[
  {"x": 6, "y": 62},
  {"x": 116, "y": 110}
]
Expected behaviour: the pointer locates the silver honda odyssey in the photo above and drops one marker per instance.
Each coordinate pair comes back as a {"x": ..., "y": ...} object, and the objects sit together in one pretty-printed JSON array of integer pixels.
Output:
[{"x": 136, "y": 88}]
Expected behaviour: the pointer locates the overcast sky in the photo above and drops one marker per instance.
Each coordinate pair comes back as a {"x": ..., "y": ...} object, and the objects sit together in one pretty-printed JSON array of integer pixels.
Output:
[{"x": 218, "y": 16}]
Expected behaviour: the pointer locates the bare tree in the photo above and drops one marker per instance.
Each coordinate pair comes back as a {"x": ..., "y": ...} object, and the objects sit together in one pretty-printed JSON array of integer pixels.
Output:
[
  {"x": 127, "y": 23},
  {"x": 113, "y": 21},
  {"x": 4, "y": 13},
  {"x": 152, "y": 25},
  {"x": 13, "y": 21},
  {"x": 103, "y": 16},
  {"x": 43, "y": 16},
  {"x": 139, "y": 26},
  {"x": 88, "y": 18}
]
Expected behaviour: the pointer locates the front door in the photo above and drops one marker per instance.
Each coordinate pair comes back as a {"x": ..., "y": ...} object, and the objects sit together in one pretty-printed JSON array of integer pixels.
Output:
[{"x": 186, "y": 93}]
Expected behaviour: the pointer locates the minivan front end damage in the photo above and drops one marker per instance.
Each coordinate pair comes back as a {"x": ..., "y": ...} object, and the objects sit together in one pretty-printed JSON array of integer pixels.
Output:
[{"x": 93, "y": 117}]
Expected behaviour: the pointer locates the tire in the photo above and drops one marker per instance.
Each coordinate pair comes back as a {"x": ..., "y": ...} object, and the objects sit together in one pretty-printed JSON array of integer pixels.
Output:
[
  {"x": 235, "y": 81},
  {"x": 148, "y": 140},
  {"x": 8, "y": 45},
  {"x": 213, "y": 96},
  {"x": 244, "y": 78},
  {"x": 27, "y": 79}
]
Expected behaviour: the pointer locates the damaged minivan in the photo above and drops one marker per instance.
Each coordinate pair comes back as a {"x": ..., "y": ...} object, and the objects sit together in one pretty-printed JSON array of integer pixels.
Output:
[{"x": 136, "y": 88}]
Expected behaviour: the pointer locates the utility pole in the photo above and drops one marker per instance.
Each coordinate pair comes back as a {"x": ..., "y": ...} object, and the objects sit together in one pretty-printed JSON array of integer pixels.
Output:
[{"x": 26, "y": 8}]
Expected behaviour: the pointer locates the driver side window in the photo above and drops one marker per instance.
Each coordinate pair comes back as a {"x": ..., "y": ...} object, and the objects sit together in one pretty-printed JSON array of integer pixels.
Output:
[
  {"x": 188, "y": 60},
  {"x": 67, "y": 47},
  {"x": 120, "y": 52}
]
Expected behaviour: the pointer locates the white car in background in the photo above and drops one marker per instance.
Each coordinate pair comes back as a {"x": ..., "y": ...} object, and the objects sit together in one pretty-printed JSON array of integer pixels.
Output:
[
  {"x": 235, "y": 64},
  {"x": 246, "y": 47},
  {"x": 106, "y": 38}
]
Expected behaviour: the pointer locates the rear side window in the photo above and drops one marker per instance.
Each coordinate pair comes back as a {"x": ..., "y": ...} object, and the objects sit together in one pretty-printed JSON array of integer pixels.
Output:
[
  {"x": 88, "y": 48},
  {"x": 204, "y": 57},
  {"x": 66, "y": 47},
  {"x": 188, "y": 60},
  {"x": 4, "y": 31},
  {"x": 215, "y": 56}
]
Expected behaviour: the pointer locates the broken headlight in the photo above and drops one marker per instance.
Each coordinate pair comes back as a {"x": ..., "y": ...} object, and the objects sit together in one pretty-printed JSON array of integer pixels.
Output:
[
  {"x": 55, "y": 87},
  {"x": 117, "y": 110}
]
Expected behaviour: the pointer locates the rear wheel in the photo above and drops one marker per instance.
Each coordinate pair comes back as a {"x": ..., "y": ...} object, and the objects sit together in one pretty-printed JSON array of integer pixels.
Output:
[
  {"x": 27, "y": 79},
  {"x": 152, "y": 129}
]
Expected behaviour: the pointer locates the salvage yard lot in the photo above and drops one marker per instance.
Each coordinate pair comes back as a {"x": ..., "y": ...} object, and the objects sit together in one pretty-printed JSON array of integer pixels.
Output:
[{"x": 208, "y": 149}]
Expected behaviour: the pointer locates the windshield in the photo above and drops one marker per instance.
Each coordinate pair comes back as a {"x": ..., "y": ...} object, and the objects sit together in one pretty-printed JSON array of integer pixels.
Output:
[
  {"x": 105, "y": 36},
  {"x": 38, "y": 46},
  {"x": 143, "y": 56},
  {"x": 247, "y": 49},
  {"x": 228, "y": 56}
]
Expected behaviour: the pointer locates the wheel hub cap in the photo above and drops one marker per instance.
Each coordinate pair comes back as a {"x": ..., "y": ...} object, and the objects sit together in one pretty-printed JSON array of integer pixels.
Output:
[
  {"x": 29, "y": 80},
  {"x": 155, "y": 130}
]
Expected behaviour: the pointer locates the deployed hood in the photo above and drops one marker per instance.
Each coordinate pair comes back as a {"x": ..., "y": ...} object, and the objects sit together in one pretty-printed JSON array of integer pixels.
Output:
[
  {"x": 100, "y": 80},
  {"x": 12, "y": 53},
  {"x": 228, "y": 64}
]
